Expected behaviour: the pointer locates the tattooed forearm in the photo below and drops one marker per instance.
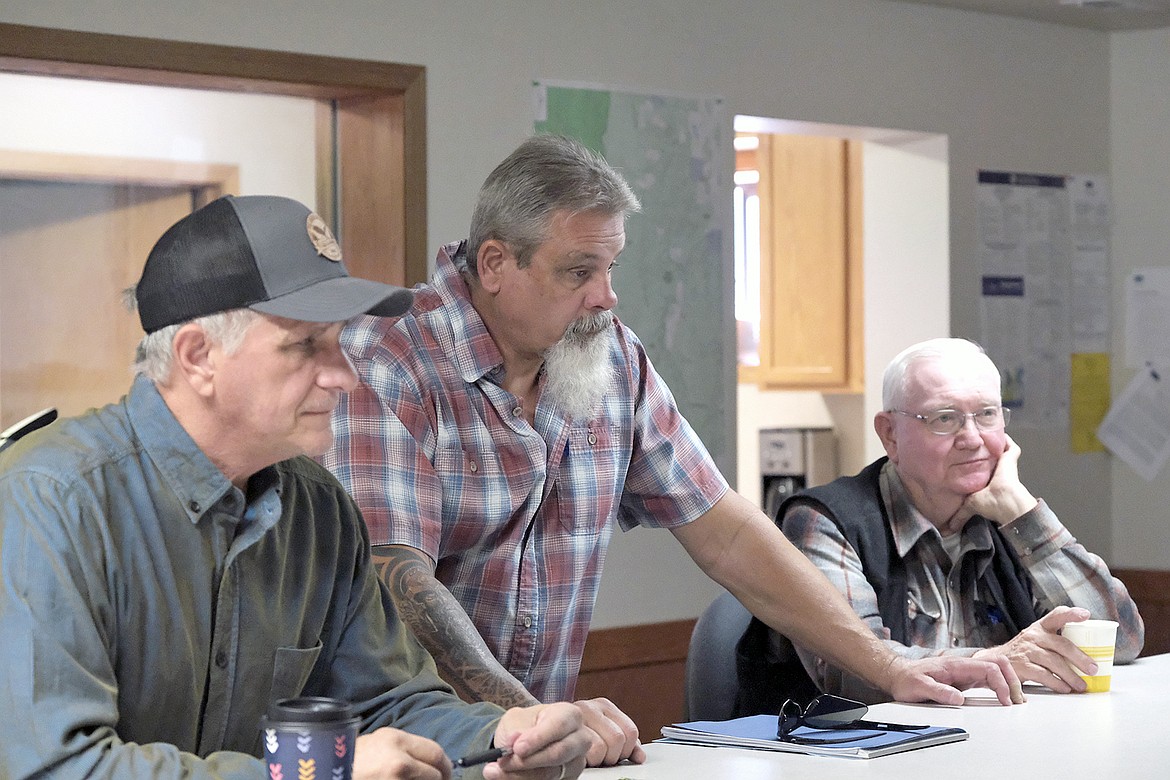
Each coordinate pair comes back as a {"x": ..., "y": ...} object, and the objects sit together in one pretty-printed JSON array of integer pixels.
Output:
[{"x": 444, "y": 629}]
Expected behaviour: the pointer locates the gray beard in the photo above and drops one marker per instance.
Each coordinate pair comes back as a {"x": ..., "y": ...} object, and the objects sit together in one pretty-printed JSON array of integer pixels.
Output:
[{"x": 577, "y": 370}]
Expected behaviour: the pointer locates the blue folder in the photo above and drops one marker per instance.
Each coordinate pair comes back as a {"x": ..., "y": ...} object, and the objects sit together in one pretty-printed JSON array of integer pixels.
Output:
[{"x": 758, "y": 732}]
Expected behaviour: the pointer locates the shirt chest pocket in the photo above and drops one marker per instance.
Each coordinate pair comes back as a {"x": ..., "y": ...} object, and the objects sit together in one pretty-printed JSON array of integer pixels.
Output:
[
  {"x": 291, "y": 669},
  {"x": 475, "y": 483},
  {"x": 588, "y": 487},
  {"x": 923, "y": 614}
]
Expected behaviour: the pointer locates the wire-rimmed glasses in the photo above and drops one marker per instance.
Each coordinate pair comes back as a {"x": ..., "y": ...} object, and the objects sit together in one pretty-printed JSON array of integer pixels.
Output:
[{"x": 947, "y": 422}]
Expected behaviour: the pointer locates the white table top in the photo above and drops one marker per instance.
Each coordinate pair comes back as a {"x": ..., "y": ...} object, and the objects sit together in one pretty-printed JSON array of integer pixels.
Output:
[{"x": 1120, "y": 735}]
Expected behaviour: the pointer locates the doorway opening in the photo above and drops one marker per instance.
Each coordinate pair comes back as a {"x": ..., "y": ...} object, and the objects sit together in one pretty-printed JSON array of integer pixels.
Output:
[
  {"x": 365, "y": 160},
  {"x": 903, "y": 288},
  {"x": 74, "y": 231}
]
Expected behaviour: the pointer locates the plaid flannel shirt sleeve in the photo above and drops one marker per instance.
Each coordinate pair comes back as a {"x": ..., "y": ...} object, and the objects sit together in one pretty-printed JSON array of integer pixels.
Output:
[{"x": 1063, "y": 572}]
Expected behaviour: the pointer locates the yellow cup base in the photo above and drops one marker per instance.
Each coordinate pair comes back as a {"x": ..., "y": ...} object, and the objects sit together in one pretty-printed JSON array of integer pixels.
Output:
[{"x": 1098, "y": 683}]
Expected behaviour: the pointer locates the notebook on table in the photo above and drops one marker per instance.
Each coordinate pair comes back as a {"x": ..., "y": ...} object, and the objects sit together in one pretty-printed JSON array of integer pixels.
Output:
[{"x": 758, "y": 732}]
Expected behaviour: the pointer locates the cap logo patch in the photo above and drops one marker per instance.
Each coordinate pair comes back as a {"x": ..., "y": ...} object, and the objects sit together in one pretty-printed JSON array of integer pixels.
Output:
[{"x": 322, "y": 238}]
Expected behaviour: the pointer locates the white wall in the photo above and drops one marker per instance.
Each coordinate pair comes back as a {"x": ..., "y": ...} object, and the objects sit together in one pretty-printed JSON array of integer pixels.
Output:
[
  {"x": 1140, "y": 141},
  {"x": 907, "y": 280},
  {"x": 1007, "y": 94}
]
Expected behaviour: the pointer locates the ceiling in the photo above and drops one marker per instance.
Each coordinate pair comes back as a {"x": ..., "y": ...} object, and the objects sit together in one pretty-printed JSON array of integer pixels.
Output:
[{"x": 1109, "y": 15}]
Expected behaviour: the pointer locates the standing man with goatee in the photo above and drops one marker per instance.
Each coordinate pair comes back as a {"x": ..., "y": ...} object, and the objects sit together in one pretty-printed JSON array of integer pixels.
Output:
[{"x": 509, "y": 420}]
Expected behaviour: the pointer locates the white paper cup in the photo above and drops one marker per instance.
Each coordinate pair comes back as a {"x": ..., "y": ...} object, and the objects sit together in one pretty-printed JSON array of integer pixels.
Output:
[{"x": 1097, "y": 639}]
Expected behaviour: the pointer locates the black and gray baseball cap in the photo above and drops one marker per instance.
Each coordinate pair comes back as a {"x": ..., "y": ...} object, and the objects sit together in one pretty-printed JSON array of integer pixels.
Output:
[{"x": 261, "y": 252}]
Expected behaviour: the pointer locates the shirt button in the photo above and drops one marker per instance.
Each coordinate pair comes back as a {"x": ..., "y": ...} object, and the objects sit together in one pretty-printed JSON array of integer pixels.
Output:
[
  {"x": 474, "y": 467},
  {"x": 221, "y": 659},
  {"x": 527, "y": 621},
  {"x": 517, "y": 412},
  {"x": 592, "y": 437},
  {"x": 194, "y": 506}
]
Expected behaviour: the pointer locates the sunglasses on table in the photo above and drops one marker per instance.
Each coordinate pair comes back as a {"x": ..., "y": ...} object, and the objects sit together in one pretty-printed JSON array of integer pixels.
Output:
[{"x": 827, "y": 712}]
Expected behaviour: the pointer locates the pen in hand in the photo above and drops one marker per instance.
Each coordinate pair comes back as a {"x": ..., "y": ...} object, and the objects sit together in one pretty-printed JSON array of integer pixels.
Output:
[{"x": 482, "y": 758}]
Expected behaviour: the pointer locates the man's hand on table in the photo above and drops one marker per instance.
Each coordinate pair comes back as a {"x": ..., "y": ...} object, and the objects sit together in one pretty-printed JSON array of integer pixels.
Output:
[
  {"x": 543, "y": 736},
  {"x": 941, "y": 679},
  {"x": 547, "y": 742},
  {"x": 1040, "y": 654},
  {"x": 615, "y": 737},
  {"x": 391, "y": 754}
]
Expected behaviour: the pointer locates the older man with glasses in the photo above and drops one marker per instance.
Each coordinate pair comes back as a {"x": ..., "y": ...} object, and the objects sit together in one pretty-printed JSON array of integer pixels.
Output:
[{"x": 939, "y": 547}]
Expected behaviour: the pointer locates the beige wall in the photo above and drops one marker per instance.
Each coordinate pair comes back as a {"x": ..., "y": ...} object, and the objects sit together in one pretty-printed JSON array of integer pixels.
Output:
[{"x": 1006, "y": 94}]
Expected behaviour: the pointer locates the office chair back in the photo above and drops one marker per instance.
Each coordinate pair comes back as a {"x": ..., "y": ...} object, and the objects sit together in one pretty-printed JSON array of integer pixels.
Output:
[{"x": 711, "y": 684}]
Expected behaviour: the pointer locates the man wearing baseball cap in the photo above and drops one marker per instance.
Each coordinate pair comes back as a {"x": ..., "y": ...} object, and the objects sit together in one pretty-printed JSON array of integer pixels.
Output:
[{"x": 173, "y": 563}]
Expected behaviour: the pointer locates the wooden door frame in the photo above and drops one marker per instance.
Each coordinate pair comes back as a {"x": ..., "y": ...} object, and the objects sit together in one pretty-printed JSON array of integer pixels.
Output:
[{"x": 377, "y": 202}]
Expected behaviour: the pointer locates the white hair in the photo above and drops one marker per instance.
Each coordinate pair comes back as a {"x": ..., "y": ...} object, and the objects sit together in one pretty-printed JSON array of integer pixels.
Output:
[
  {"x": 153, "y": 357},
  {"x": 896, "y": 378}
]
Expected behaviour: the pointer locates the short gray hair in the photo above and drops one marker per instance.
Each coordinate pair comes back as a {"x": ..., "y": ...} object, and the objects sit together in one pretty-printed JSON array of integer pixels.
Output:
[
  {"x": 546, "y": 174},
  {"x": 895, "y": 380},
  {"x": 153, "y": 357}
]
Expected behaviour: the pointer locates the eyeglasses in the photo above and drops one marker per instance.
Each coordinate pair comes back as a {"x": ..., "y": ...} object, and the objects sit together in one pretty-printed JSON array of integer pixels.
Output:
[
  {"x": 829, "y": 712},
  {"x": 946, "y": 422}
]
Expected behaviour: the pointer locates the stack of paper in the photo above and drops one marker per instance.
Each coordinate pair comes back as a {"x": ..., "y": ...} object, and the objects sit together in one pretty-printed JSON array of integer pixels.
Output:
[{"x": 758, "y": 732}]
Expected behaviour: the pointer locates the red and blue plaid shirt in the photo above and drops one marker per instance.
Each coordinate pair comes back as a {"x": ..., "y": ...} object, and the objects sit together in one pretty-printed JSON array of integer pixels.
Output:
[{"x": 517, "y": 517}]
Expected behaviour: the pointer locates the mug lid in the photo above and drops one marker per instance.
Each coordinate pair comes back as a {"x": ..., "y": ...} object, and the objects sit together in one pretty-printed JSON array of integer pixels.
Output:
[{"x": 310, "y": 709}]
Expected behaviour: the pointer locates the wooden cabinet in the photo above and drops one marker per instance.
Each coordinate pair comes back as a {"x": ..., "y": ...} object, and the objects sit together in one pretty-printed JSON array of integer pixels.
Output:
[{"x": 810, "y": 264}]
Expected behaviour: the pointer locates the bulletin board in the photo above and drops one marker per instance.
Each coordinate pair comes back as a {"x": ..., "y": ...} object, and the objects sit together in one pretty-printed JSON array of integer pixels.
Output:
[{"x": 1044, "y": 298}]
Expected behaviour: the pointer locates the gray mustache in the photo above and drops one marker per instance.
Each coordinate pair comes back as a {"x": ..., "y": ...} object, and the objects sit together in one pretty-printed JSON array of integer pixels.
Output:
[{"x": 591, "y": 325}]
